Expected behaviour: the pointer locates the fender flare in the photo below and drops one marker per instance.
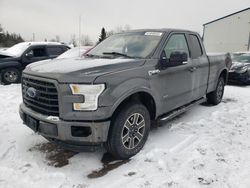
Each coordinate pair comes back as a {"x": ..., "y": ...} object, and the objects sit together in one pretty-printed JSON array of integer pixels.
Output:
[
  {"x": 10, "y": 64},
  {"x": 131, "y": 92}
]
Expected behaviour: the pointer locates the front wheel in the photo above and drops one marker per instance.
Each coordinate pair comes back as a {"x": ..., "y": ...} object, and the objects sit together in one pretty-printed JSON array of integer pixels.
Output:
[
  {"x": 129, "y": 131},
  {"x": 11, "y": 75},
  {"x": 216, "y": 96}
]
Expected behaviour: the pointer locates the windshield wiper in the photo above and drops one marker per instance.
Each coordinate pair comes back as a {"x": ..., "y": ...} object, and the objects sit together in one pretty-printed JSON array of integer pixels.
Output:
[
  {"x": 92, "y": 55},
  {"x": 116, "y": 53},
  {"x": 88, "y": 55}
]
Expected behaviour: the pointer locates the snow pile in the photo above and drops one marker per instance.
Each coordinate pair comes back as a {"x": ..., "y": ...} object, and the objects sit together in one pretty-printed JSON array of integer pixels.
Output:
[{"x": 209, "y": 146}]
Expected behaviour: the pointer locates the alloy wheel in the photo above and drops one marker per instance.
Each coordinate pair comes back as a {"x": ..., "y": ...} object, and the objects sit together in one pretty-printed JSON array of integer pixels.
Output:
[{"x": 133, "y": 131}]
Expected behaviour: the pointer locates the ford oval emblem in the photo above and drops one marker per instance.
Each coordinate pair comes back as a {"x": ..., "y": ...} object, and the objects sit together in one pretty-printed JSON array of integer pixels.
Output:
[{"x": 31, "y": 92}]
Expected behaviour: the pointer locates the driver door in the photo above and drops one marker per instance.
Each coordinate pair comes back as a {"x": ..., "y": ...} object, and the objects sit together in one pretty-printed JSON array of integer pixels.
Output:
[
  {"x": 34, "y": 54},
  {"x": 175, "y": 83}
]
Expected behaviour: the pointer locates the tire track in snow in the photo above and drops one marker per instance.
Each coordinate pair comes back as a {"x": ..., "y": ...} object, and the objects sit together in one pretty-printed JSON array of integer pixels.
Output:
[{"x": 3, "y": 156}]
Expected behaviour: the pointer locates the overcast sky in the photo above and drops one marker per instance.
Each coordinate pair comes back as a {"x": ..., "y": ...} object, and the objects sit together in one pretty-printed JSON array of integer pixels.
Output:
[{"x": 48, "y": 18}]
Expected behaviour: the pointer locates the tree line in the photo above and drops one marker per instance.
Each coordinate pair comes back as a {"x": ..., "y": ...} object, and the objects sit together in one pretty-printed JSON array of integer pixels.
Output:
[
  {"x": 86, "y": 41},
  {"x": 119, "y": 29},
  {"x": 9, "y": 39}
]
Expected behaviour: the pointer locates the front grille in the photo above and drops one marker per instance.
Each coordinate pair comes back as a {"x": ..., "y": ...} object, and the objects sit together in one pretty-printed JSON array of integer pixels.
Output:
[{"x": 45, "y": 99}]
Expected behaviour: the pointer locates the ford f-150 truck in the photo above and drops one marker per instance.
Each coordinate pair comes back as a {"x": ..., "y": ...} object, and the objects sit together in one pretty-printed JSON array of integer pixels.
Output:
[{"x": 120, "y": 88}]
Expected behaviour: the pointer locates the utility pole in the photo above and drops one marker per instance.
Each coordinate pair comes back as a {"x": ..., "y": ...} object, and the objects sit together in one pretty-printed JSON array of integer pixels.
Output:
[
  {"x": 79, "y": 36},
  {"x": 33, "y": 37}
]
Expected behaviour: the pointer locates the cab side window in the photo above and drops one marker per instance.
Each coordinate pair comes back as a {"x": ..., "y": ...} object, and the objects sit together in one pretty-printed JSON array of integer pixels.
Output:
[
  {"x": 54, "y": 50},
  {"x": 196, "y": 51},
  {"x": 37, "y": 52},
  {"x": 176, "y": 43}
]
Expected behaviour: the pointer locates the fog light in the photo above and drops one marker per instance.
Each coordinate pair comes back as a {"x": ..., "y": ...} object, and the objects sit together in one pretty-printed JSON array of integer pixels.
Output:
[{"x": 78, "y": 131}]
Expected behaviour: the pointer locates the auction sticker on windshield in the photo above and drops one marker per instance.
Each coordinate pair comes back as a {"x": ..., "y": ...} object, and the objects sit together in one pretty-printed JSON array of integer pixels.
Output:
[{"x": 154, "y": 33}]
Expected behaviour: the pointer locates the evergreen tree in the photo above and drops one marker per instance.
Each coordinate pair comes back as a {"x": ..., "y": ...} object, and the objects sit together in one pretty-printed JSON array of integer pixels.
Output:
[
  {"x": 103, "y": 35},
  {"x": 9, "y": 39}
]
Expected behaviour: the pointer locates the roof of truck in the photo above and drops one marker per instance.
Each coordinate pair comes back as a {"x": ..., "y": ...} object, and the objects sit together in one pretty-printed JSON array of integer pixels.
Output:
[
  {"x": 42, "y": 43},
  {"x": 160, "y": 30}
]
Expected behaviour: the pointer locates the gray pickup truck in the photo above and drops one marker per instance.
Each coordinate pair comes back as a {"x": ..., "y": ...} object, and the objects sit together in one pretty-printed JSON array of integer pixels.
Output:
[{"x": 120, "y": 88}]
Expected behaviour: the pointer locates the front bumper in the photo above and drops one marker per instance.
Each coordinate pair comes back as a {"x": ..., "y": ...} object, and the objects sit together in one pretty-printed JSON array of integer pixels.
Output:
[
  {"x": 74, "y": 135},
  {"x": 239, "y": 77}
]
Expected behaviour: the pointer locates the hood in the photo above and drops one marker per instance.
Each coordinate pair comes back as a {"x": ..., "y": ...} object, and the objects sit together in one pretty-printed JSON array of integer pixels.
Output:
[
  {"x": 6, "y": 57},
  {"x": 84, "y": 70},
  {"x": 239, "y": 65}
]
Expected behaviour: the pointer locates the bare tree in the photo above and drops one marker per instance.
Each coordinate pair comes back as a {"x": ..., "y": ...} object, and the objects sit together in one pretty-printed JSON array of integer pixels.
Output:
[
  {"x": 52, "y": 40},
  {"x": 127, "y": 27},
  {"x": 58, "y": 38},
  {"x": 86, "y": 41},
  {"x": 109, "y": 33},
  {"x": 73, "y": 40},
  {"x": 119, "y": 29}
]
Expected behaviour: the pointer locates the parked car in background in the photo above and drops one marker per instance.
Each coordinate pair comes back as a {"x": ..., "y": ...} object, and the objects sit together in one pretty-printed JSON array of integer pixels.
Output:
[
  {"x": 13, "y": 60},
  {"x": 125, "y": 83},
  {"x": 240, "y": 70},
  {"x": 237, "y": 54},
  {"x": 75, "y": 52}
]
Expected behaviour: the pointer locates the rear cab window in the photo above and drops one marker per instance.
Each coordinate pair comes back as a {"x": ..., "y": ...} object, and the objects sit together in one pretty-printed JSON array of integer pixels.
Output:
[
  {"x": 196, "y": 49},
  {"x": 54, "y": 50}
]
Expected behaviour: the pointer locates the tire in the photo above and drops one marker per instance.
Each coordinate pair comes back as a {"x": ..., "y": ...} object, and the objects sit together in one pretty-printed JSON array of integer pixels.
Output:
[
  {"x": 216, "y": 96},
  {"x": 11, "y": 75},
  {"x": 129, "y": 131}
]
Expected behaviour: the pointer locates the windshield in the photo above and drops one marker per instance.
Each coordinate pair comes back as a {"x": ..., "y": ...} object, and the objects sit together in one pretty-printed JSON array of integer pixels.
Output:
[
  {"x": 242, "y": 58},
  {"x": 134, "y": 45},
  {"x": 17, "y": 49},
  {"x": 74, "y": 52}
]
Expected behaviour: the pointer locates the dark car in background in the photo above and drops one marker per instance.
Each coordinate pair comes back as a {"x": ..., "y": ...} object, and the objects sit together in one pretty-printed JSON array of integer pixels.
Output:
[
  {"x": 13, "y": 60},
  {"x": 237, "y": 54},
  {"x": 240, "y": 70}
]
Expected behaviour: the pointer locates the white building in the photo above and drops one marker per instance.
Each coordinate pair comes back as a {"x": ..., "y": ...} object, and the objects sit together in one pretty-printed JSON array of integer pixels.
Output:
[{"x": 230, "y": 33}]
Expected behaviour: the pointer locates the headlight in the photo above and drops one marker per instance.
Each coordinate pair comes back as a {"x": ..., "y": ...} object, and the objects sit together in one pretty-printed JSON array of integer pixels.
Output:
[
  {"x": 242, "y": 70},
  {"x": 90, "y": 93}
]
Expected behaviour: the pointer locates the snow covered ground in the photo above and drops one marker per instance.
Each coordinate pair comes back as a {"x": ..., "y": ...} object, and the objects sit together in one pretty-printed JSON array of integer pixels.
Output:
[{"x": 209, "y": 146}]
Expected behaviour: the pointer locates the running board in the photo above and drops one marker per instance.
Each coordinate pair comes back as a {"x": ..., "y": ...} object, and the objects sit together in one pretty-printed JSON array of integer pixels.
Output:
[{"x": 180, "y": 110}]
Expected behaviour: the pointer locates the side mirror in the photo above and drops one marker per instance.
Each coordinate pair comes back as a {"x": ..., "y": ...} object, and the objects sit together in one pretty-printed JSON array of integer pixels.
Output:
[
  {"x": 175, "y": 59},
  {"x": 178, "y": 58},
  {"x": 28, "y": 55}
]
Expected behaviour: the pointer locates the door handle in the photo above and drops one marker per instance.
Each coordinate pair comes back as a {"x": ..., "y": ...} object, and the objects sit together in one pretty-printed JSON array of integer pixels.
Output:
[
  {"x": 192, "y": 69},
  {"x": 153, "y": 72}
]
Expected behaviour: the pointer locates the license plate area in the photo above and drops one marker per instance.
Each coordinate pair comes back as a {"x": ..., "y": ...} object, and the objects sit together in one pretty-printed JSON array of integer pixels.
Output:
[{"x": 32, "y": 123}]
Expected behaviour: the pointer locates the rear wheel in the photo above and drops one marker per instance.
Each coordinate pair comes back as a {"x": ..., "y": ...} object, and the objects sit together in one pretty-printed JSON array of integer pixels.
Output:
[
  {"x": 216, "y": 96},
  {"x": 11, "y": 75},
  {"x": 129, "y": 131}
]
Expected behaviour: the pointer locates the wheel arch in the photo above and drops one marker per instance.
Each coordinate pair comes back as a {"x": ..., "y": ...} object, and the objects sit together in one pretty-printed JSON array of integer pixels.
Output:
[
  {"x": 142, "y": 96},
  {"x": 11, "y": 64},
  {"x": 224, "y": 74}
]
